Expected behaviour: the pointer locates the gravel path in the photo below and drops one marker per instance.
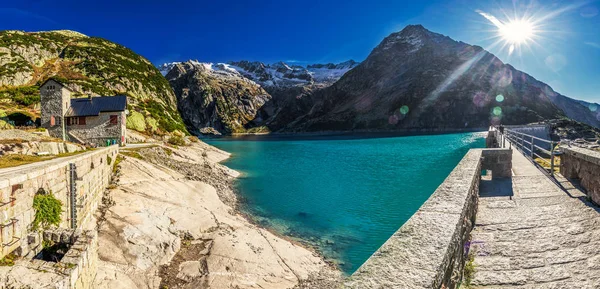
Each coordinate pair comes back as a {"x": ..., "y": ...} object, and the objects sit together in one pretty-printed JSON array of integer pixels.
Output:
[{"x": 531, "y": 234}]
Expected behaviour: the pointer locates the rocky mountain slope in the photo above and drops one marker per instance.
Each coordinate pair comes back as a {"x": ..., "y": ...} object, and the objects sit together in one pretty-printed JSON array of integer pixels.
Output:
[
  {"x": 244, "y": 96},
  {"x": 88, "y": 65},
  {"x": 419, "y": 79},
  {"x": 414, "y": 79},
  {"x": 281, "y": 75},
  {"x": 216, "y": 97}
]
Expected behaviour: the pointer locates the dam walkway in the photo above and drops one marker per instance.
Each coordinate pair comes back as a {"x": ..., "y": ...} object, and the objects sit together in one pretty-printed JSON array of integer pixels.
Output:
[{"x": 533, "y": 233}]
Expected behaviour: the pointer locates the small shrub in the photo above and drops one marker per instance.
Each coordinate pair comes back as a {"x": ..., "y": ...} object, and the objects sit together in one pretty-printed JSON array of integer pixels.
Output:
[
  {"x": 194, "y": 138},
  {"x": 47, "y": 211},
  {"x": 108, "y": 160},
  {"x": 168, "y": 151},
  {"x": 176, "y": 140},
  {"x": 469, "y": 271},
  {"x": 117, "y": 162},
  {"x": 8, "y": 260}
]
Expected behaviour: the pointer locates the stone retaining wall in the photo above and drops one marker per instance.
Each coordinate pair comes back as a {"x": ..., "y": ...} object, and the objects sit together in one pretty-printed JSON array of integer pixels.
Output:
[
  {"x": 428, "y": 251},
  {"x": 19, "y": 185},
  {"x": 582, "y": 164}
]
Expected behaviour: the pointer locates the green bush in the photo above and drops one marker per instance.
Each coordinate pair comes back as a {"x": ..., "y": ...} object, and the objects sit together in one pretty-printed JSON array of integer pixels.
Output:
[
  {"x": 176, "y": 140},
  {"x": 47, "y": 211}
]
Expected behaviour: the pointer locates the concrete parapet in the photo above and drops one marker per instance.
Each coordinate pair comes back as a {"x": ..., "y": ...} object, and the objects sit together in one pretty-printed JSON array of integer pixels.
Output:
[
  {"x": 429, "y": 250},
  {"x": 582, "y": 164}
]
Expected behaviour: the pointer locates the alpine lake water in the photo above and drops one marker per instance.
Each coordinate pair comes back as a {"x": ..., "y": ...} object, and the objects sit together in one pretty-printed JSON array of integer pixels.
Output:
[{"x": 343, "y": 195}]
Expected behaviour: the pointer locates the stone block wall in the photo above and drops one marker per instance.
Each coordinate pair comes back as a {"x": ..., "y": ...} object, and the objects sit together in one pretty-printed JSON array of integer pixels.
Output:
[
  {"x": 76, "y": 270},
  {"x": 428, "y": 251},
  {"x": 19, "y": 185},
  {"x": 582, "y": 164},
  {"x": 499, "y": 161},
  {"x": 55, "y": 100},
  {"x": 98, "y": 129}
]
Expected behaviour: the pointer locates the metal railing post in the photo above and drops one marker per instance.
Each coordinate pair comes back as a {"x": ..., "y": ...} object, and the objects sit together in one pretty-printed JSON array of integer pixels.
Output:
[
  {"x": 531, "y": 152},
  {"x": 523, "y": 143}
]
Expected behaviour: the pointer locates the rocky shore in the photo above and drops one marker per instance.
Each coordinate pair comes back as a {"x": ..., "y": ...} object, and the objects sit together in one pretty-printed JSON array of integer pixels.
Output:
[{"x": 170, "y": 221}]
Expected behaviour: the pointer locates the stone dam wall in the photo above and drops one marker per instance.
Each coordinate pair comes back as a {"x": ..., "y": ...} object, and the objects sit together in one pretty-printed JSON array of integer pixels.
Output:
[
  {"x": 430, "y": 249},
  {"x": 582, "y": 164},
  {"x": 19, "y": 185}
]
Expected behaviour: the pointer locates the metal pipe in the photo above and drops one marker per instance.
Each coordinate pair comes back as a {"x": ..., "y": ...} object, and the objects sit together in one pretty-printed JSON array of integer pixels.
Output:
[{"x": 552, "y": 158}]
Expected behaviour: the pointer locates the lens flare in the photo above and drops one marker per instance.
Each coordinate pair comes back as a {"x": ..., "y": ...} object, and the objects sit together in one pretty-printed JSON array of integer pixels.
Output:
[
  {"x": 499, "y": 98},
  {"x": 404, "y": 109},
  {"x": 497, "y": 111},
  {"x": 593, "y": 107}
]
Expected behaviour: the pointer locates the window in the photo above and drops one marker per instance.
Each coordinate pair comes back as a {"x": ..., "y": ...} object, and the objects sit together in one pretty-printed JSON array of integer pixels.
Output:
[
  {"x": 52, "y": 121},
  {"x": 78, "y": 120},
  {"x": 114, "y": 119}
]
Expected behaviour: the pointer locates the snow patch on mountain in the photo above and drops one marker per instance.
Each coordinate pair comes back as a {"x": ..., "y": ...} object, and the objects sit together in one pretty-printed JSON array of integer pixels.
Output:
[{"x": 278, "y": 74}]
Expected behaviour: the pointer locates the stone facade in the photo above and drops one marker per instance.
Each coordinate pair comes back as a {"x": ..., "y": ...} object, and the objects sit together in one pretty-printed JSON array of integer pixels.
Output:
[
  {"x": 98, "y": 129},
  {"x": 582, "y": 164},
  {"x": 19, "y": 185},
  {"x": 55, "y": 101},
  {"x": 429, "y": 250}
]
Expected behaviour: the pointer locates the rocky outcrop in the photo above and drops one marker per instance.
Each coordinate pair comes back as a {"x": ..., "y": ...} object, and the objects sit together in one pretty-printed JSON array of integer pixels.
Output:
[
  {"x": 173, "y": 225},
  {"x": 243, "y": 96},
  {"x": 87, "y": 65},
  {"x": 219, "y": 99}
]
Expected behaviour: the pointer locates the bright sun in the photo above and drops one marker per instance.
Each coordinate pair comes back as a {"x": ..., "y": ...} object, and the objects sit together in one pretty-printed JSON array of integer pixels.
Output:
[{"x": 516, "y": 31}]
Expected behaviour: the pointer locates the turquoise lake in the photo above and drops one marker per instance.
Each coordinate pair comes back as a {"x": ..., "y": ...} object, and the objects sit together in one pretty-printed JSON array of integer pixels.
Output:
[{"x": 345, "y": 196}]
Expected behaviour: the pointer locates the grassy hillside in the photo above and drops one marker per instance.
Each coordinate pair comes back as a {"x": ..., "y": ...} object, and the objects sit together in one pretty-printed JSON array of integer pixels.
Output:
[{"x": 88, "y": 65}]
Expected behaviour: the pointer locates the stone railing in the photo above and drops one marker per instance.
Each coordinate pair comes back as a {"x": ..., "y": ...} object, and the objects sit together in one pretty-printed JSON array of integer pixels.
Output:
[
  {"x": 19, "y": 185},
  {"x": 582, "y": 164},
  {"x": 428, "y": 251}
]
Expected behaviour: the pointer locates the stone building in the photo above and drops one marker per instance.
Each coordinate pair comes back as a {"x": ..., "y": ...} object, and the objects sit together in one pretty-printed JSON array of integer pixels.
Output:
[{"x": 94, "y": 120}]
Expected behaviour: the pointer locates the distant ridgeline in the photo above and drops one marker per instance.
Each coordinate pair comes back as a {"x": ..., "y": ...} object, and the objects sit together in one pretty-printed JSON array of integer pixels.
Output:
[
  {"x": 414, "y": 79},
  {"x": 87, "y": 65}
]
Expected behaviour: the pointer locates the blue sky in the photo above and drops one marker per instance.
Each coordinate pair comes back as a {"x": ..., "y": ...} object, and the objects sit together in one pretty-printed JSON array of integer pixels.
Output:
[{"x": 566, "y": 56}]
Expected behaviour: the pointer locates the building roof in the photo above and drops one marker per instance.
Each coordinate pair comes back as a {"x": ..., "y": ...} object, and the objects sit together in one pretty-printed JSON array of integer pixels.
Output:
[
  {"x": 92, "y": 106},
  {"x": 60, "y": 83}
]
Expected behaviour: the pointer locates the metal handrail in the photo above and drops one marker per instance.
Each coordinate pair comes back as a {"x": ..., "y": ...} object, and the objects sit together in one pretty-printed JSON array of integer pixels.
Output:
[
  {"x": 528, "y": 135},
  {"x": 527, "y": 145}
]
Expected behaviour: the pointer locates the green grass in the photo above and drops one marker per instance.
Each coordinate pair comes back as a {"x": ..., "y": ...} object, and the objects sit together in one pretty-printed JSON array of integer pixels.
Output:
[
  {"x": 8, "y": 161},
  {"x": 469, "y": 271}
]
